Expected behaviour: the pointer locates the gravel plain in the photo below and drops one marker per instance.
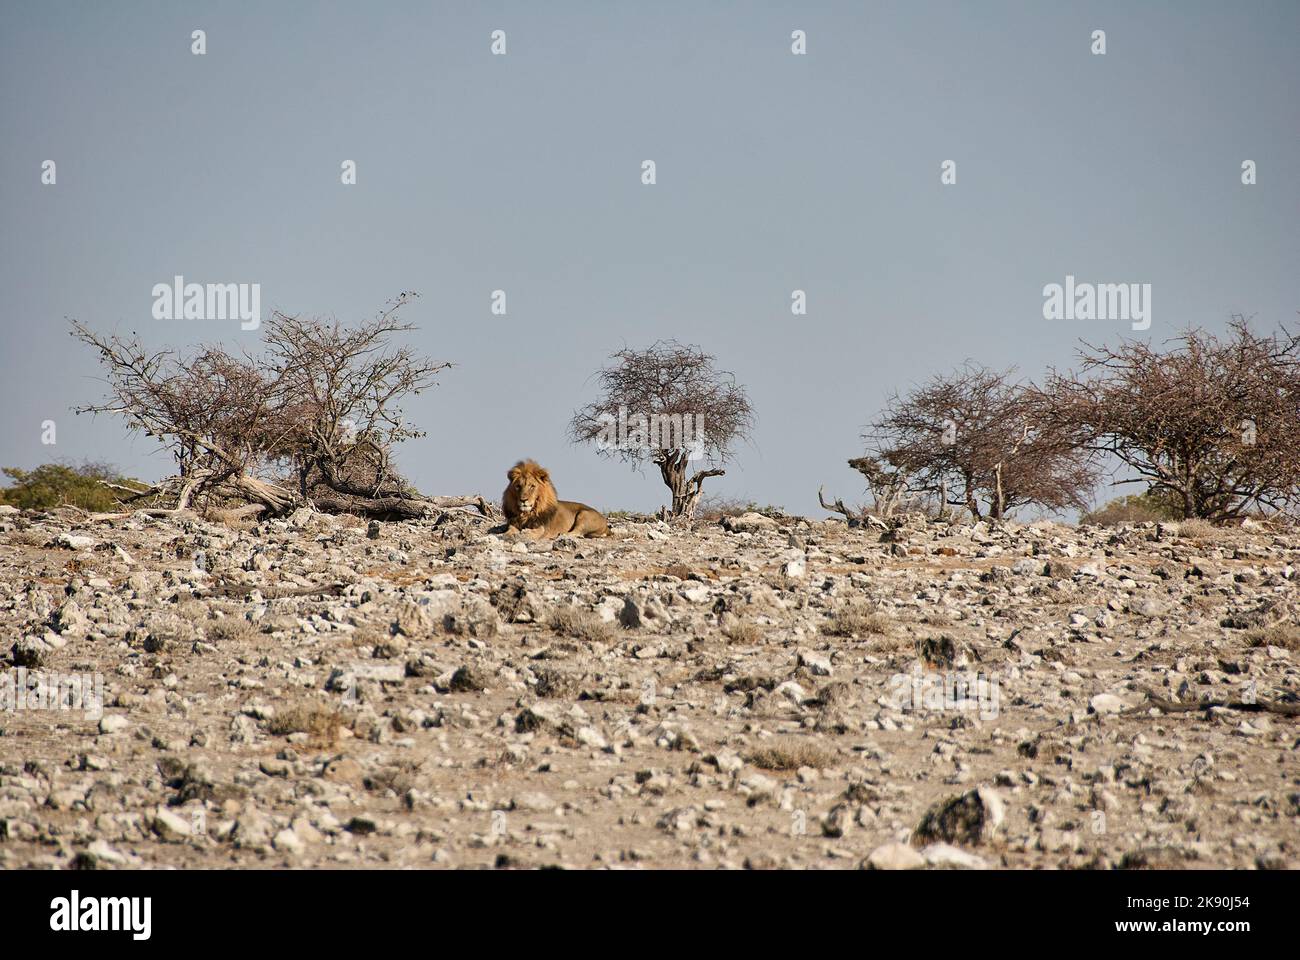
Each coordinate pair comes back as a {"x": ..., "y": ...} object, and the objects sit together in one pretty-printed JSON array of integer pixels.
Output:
[{"x": 760, "y": 692}]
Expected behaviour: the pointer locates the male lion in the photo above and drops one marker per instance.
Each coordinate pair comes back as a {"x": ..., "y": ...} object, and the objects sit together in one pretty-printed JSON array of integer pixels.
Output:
[{"x": 534, "y": 511}]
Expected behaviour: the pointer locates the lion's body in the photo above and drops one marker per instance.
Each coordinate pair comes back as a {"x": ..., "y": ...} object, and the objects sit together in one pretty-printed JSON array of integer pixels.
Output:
[{"x": 533, "y": 509}]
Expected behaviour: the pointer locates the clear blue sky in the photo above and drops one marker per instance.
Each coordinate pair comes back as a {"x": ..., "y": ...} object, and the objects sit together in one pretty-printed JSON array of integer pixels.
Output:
[{"x": 522, "y": 172}]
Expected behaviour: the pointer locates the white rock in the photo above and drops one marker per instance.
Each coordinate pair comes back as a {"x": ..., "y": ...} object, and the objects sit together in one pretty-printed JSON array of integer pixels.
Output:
[
  {"x": 791, "y": 691},
  {"x": 895, "y": 856},
  {"x": 100, "y": 850},
  {"x": 1107, "y": 703},
  {"x": 169, "y": 825},
  {"x": 113, "y": 723},
  {"x": 73, "y": 542},
  {"x": 818, "y": 664},
  {"x": 286, "y": 841},
  {"x": 591, "y": 737},
  {"x": 946, "y": 856}
]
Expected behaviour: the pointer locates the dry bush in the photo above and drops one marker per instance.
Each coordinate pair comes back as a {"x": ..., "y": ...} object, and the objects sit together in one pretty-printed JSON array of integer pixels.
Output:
[
  {"x": 581, "y": 625},
  {"x": 231, "y": 629},
  {"x": 237, "y": 524},
  {"x": 1210, "y": 422},
  {"x": 1138, "y": 508},
  {"x": 742, "y": 631},
  {"x": 978, "y": 440},
  {"x": 791, "y": 753},
  {"x": 858, "y": 619},
  {"x": 192, "y": 610},
  {"x": 1204, "y": 530},
  {"x": 714, "y": 507},
  {"x": 1284, "y": 635},
  {"x": 317, "y": 720},
  {"x": 311, "y": 419}
]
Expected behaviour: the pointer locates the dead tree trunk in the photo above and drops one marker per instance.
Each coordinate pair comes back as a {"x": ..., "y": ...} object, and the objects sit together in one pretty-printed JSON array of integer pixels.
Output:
[
  {"x": 685, "y": 493},
  {"x": 275, "y": 498},
  {"x": 856, "y": 518},
  {"x": 404, "y": 508}
]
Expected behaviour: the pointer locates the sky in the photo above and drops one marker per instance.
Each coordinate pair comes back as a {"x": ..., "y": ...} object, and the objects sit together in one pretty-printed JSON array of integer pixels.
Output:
[{"x": 522, "y": 172}]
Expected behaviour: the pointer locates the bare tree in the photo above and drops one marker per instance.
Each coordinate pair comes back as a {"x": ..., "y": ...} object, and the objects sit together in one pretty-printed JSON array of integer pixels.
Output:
[
  {"x": 324, "y": 399},
  {"x": 668, "y": 405},
  {"x": 887, "y": 487},
  {"x": 1212, "y": 421},
  {"x": 213, "y": 412},
  {"x": 339, "y": 391},
  {"x": 976, "y": 439}
]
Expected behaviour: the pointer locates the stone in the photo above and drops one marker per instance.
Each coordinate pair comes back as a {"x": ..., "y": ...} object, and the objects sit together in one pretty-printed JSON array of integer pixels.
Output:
[
  {"x": 287, "y": 841},
  {"x": 316, "y": 698},
  {"x": 944, "y": 856},
  {"x": 112, "y": 723},
  {"x": 818, "y": 664},
  {"x": 894, "y": 856},
  {"x": 171, "y": 826},
  {"x": 749, "y": 523},
  {"x": 1107, "y": 703},
  {"x": 971, "y": 818},
  {"x": 75, "y": 542}
]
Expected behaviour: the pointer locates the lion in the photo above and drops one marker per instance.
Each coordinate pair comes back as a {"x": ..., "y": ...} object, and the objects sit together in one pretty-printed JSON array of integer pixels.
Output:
[{"x": 533, "y": 509}]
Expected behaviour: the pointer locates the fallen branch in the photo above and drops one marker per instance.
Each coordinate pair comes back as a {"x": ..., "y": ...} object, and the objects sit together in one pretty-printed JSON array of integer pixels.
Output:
[
  {"x": 483, "y": 506},
  {"x": 134, "y": 493},
  {"x": 854, "y": 517},
  {"x": 405, "y": 508}
]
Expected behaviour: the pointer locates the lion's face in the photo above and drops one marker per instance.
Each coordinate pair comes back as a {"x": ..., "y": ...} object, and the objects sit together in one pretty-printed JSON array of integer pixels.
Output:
[{"x": 530, "y": 488}]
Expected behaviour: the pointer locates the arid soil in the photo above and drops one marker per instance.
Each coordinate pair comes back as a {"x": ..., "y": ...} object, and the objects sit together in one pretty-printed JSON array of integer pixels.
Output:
[{"x": 756, "y": 692}]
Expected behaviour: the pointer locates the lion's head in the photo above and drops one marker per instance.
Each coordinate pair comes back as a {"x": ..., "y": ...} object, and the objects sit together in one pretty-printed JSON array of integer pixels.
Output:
[{"x": 530, "y": 492}]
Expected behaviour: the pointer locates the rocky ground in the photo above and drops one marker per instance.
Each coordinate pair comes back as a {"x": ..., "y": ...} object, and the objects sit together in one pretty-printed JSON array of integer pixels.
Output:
[{"x": 759, "y": 692}]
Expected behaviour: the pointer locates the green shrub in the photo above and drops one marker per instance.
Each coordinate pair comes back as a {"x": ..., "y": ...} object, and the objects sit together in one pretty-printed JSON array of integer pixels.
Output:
[
  {"x": 57, "y": 484},
  {"x": 1137, "y": 508}
]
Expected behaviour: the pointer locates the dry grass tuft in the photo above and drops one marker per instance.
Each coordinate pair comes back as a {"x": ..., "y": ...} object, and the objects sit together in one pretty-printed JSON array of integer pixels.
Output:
[
  {"x": 1284, "y": 635},
  {"x": 581, "y": 625},
  {"x": 857, "y": 620},
  {"x": 791, "y": 753},
  {"x": 28, "y": 538},
  {"x": 743, "y": 631},
  {"x": 317, "y": 720},
  {"x": 231, "y": 630},
  {"x": 1203, "y": 531}
]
